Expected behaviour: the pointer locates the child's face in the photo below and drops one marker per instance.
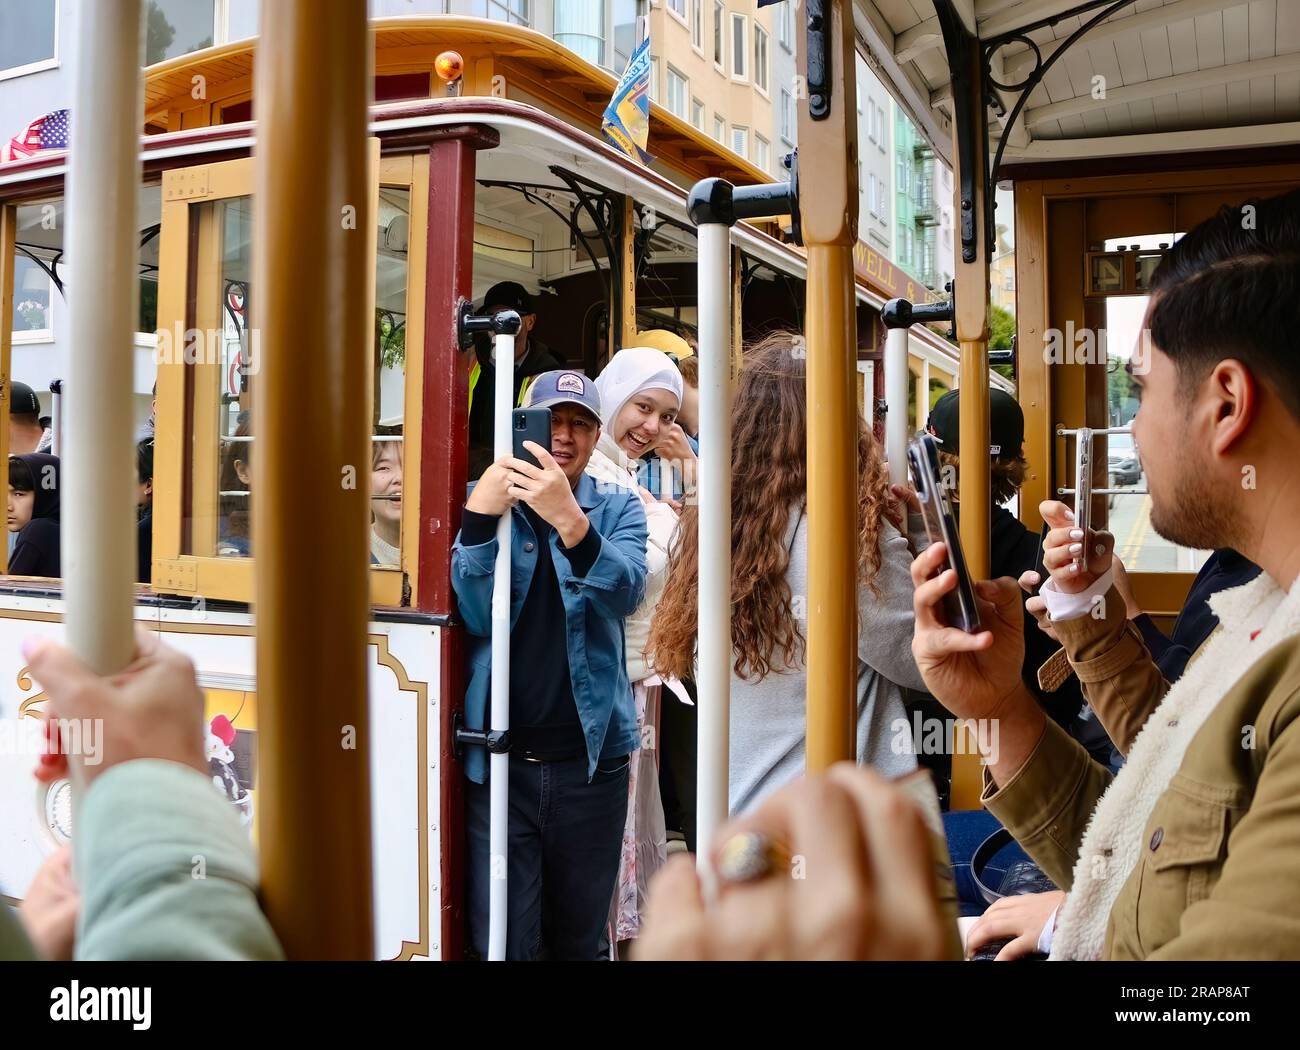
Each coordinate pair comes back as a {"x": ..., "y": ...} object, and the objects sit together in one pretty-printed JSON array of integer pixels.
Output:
[
  {"x": 19, "y": 511},
  {"x": 386, "y": 480}
]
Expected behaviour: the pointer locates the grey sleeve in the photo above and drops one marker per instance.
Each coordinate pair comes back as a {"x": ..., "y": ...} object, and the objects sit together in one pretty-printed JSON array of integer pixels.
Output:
[{"x": 885, "y": 618}]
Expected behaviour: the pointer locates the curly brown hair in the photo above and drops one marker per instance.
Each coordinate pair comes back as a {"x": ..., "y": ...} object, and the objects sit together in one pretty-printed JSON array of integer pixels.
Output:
[
  {"x": 1006, "y": 475},
  {"x": 769, "y": 479}
]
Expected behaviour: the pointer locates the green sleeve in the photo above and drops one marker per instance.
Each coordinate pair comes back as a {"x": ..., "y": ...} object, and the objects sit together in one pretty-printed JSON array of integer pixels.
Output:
[
  {"x": 165, "y": 870},
  {"x": 14, "y": 945}
]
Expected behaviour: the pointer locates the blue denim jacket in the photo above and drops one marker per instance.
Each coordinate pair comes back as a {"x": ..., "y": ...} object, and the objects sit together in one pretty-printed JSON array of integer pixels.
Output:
[{"x": 594, "y": 607}]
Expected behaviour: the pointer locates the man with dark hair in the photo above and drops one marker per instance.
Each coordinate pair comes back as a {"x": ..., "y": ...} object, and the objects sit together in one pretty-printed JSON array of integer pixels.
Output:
[
  {"x": 532, "y": 358},
  {"x": 27, "y": 433},
  {"x": 1192, "y": 850}
]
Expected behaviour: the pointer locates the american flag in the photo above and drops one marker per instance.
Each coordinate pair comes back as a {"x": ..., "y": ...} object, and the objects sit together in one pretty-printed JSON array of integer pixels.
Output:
[{"x": 48, "y": 132}]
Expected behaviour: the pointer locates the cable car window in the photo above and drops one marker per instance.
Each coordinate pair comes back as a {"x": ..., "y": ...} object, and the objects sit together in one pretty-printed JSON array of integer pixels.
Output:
[
  {"x": 387, "y": 451},
  {"x": 1136, "y": 542}
]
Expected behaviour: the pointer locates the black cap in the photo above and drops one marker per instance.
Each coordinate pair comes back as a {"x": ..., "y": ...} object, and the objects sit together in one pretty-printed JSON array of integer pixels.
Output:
[
  {"x": 23, "y": 400},
  {"x": 509, "y": 295},
  {"x": 1006, "y": 423}
]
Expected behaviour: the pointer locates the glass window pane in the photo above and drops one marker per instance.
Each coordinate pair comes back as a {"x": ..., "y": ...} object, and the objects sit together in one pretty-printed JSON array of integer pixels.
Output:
[
  {"x": 177, "y": 27},
  {"x": 241, "y": 22},
  {"x": 26, "y": 33},
  {"x": 580, "y": 26},
  {"x": 738, "y": 45},
  {"x": 33, "y": 298},
  {"x": 719, "y": 15},
  {"x": 624, "y": 33},
  {"x": 387, "y": 417}
]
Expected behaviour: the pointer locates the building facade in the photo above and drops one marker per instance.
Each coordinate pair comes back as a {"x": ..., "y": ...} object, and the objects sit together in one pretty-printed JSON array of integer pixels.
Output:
[{"x": 875, "y": 166}]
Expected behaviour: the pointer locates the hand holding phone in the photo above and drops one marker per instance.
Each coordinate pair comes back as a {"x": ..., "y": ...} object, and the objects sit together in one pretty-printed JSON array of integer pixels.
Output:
[
  {"x": 530, "y": 424},
  {"x": 959, "y": 606}
]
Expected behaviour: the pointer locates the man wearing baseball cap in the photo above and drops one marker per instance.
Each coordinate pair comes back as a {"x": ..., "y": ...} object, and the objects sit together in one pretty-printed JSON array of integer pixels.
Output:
[
  {"x": 577, "y": 571},
  {"x": 532, "y": 358},
  {"x": 26, "y": 433}
]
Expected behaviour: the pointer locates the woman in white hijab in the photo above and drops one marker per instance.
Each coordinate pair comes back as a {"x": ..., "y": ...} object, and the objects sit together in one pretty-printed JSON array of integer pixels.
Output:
[{"x": 640, "y": 394}]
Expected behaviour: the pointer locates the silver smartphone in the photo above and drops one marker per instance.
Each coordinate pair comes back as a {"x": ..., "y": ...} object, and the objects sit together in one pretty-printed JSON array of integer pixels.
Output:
[{"x": 959, "y": 608}]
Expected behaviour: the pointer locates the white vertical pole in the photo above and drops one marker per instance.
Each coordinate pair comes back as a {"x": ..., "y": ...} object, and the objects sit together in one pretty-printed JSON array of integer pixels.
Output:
[
  {"x": 896, "y": 421},
  {"x": 714, "y": 494},
  {"x": 499, "y": 765},
  {"x": 98, "y": 532}
]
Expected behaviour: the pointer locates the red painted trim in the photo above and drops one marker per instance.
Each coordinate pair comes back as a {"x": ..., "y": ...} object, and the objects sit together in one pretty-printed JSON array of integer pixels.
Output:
[{"x": 443, "y": 451}]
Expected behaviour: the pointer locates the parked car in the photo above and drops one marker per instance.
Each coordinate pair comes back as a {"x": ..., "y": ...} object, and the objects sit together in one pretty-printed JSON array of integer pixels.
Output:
[{"x": 1122, "y": 460}]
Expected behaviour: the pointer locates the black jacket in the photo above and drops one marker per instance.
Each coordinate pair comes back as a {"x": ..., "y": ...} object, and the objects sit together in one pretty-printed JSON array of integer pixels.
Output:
[{"x": 36, "y": 549}]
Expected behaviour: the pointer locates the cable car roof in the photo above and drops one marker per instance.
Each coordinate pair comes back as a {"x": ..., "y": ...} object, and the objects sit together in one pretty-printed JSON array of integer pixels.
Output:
[{"x": 1151, "y": 77}]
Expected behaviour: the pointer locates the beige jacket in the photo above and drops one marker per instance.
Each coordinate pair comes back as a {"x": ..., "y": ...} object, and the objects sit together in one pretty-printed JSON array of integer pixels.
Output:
[{"x": 1219, "y": 868}]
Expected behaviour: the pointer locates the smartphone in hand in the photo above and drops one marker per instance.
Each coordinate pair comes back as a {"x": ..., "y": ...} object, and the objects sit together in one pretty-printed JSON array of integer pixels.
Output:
[
  {"x": 530, "y": 424},
  {"x": 959, "y": 608}
]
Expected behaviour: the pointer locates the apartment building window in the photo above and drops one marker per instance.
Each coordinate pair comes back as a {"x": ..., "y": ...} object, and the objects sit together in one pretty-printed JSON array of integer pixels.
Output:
[
  {"x": 884, "y": 203},
  {"x": 760, "y": 58},
  {"x": 697, "y": 113},
  {"x": 677, "y": 93},
  {"x": 625, "y": 41},
  {"x": 762, "y": 152},
  {"x": 884, "y": 129},
  {"x": 678, "y": 7},
  {"x": 29, "y": 37},
  {"x": 513, "y": 11},
  {"x": 719, "y": 128},
  {"x": 740, "y": 141},
  {"x": 580, "y": 26},
  {"x": 871, "y": 193},
  {"x": 857, "y": 90},
  {"x": 654, "y": 79},
  {"x": 787, "y": 117},
  {"x": 719, "y": 28},
  {"x": 177, "y": 27},
  {"x": 871, "y": 121},
  {"x": 785, "y": 26},
  {"x": 738, "y": 54},
  {"x": 697, "y": 25}
]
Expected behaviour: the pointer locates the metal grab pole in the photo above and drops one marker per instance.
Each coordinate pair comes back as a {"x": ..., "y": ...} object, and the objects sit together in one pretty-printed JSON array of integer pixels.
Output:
[
  {"x": 98, "y": 531},
  {"x": 56, "y": 416},
  {"x": 499, "y": 763},
  {"x": 896, "y": 373},
  {"x": 313, "y": 261},
  {"x": 898, "y": 316},
  {"x": 713, "y": 490}
]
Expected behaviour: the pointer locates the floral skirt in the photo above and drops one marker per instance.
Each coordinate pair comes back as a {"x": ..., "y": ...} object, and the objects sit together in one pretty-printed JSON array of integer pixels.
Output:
[{"x": 645, "y": 836}]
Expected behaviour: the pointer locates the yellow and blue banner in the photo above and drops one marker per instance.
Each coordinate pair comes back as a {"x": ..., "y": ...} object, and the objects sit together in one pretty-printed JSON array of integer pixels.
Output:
[{"x": 626, "y": 122}]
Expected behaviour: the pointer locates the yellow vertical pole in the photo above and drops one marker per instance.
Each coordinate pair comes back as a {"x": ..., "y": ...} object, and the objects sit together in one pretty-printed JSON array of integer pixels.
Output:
[
  {"x": 828, "y": 202},
  {"x": 311, "y": 461},
  {"x": 971, "y": 286}
]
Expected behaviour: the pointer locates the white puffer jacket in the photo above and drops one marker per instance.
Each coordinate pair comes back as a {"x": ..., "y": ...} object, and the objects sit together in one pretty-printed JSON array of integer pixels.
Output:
[{"x": 610, "y": 465}]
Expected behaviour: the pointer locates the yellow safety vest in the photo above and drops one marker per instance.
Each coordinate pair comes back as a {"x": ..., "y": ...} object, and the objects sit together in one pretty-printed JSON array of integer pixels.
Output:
[{"x": 477, "y": 371}]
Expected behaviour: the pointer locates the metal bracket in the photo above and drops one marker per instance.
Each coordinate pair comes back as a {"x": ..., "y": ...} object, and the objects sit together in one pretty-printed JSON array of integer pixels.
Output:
[
  {"x": 968, "y": 119},
  {"x": 819, "y": 59},
  {"x": 468, "y": 323},
  {"x": 497, "y": 742}
]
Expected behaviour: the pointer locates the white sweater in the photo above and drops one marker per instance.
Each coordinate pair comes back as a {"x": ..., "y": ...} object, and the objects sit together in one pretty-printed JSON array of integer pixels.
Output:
[{"x": 610, "y": 465}]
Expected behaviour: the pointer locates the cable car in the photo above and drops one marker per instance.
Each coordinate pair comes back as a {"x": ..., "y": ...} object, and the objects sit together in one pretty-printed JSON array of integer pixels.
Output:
[{"x": 497, "y": 174}]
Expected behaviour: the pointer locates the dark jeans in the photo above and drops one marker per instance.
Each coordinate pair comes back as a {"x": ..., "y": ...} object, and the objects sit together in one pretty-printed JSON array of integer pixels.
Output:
[
  {"x": 565, "y": 843},
  {"x": 965, "y": 830},
  {"x": 678, "y": 732}
]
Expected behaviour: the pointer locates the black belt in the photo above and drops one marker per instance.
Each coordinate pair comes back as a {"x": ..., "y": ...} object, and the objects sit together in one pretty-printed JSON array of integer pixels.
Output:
[{"x": 605, "y": 765}]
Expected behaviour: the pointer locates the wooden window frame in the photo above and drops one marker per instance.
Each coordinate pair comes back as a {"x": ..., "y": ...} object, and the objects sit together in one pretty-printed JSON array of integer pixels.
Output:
[{"x": 186, "y": 427}]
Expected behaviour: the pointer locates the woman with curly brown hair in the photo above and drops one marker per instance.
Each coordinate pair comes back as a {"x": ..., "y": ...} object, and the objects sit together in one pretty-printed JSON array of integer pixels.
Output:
[{"x": 769, "y": 587}]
